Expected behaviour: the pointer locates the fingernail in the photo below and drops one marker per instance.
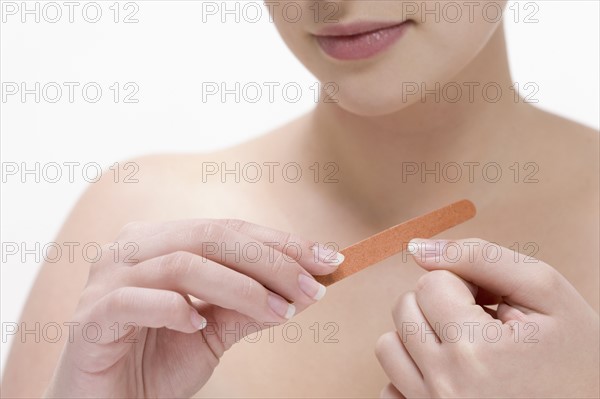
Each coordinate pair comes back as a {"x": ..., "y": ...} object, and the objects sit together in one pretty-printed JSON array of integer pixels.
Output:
[
  {"x": 427, "y": 250},
  {"x": 281, "y": 306},
  {"x": 198, "y": 321},
  {"x": 311, "y": 287},
  {"x": 327, "y": 256}
]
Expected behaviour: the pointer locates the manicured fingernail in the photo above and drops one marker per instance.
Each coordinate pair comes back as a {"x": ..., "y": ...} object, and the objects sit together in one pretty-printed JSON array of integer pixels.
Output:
[
  {"x": 281, "y": 306},
  {"x": 327, "y": 256},
  {"x": 427, "y": 250},
  {"x": 311, "y": 287},
  {"x": 198, "y": 321}
]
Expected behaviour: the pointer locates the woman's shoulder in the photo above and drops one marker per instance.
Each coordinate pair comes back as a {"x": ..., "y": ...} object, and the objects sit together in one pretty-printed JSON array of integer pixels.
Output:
[
  {"x": 566, "y": 152},
  {"x": 559, "y": 129},
  {"x": 569, "y": 154},
  {"x": 154, "y": 185}
]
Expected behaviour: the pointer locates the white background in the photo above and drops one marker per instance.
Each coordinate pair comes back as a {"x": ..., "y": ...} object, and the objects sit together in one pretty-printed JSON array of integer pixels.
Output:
[{"x": 168, "y": 54}]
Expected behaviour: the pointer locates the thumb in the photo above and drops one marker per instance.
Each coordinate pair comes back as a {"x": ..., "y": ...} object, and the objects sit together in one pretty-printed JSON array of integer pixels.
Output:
[{"x": 518, "y": 279}]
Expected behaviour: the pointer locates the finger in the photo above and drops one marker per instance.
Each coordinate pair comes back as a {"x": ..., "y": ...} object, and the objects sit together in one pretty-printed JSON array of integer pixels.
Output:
[
  {"x": 273, "y": 269},
  {"x": 127, "y": 308},
  {"x": 211, "y": 282},
  {"x": 415, "y": 332},
  {"x": 390, "y": 391},
  {"x": 507, "y": 313},
  {"x": 399, "y": 366},
  {"x": 136, "y": 230},
  {"x": 521, "y": 281},
  {"x": 225, "y": 327},
  {"x": 316, "y": 259},
  {"x": 447, "y": 301}
]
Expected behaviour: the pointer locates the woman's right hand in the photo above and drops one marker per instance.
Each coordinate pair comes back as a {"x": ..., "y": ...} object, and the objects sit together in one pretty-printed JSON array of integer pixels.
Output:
[{"x": 138, "y": 334}]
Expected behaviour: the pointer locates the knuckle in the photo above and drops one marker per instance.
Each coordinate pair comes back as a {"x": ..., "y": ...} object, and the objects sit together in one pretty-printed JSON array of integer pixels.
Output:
[
  {"x": 476, "y": 256},
  {"x": 384, "y": 342},
  {"x": 277, "y": 266},
  {"x": 130, "y": 228},
  {"x": 247, "y": 288},
  {"x": 176, "y": 263},
  {"x": 209, "y": 232},
  {"x": 107, "y": 257},
  {"x": 422, "y": 281},
  {"x": 286, "y": 239},
  {"x": 235, "y": 224},
  {"x": 402, "y": 299},
  {"x": 175, "y": 301},
  {"x": 433, "y": 279},
  {"x": 292, "y": 246},
  {"x": 402, "y": 303},
  {"x": 90, "y": 295},
  {"x": 190, "y": 236},
  {"x": 108, "y": 254},
  {"x": 118, "y": 300}
]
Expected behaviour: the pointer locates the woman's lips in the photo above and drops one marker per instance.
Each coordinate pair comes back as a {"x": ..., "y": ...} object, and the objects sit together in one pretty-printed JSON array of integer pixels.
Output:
[{"x": 359, "y": 41}]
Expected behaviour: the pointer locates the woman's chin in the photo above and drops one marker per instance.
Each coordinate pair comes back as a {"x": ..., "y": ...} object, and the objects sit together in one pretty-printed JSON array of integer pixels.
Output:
[{"x": 370, "y": 105}]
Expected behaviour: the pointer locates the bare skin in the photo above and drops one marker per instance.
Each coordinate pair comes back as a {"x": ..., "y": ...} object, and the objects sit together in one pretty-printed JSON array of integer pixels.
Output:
[{"x": 559, "y": 214}]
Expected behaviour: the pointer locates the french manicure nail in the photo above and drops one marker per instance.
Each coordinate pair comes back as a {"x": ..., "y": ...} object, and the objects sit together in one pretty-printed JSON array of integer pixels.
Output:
[
  {"x": 198, "y": 321},
  {"x": 327, "y": 256},
  {"x": 281, "y": 306},
  {"x": 311, "y": 287},
  {"x": 427, "y": 249}
]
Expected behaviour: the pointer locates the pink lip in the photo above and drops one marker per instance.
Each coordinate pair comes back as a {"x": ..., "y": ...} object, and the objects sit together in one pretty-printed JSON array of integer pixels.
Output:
[{"x": 359, "y": 40}]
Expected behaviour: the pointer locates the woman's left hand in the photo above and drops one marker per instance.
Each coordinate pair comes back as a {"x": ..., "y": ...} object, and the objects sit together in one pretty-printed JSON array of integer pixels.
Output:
[{"x": 542, "y": 341}]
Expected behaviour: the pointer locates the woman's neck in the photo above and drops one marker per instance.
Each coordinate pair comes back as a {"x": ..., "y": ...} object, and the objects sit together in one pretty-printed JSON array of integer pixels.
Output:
[{"x": 377, "y": 156}]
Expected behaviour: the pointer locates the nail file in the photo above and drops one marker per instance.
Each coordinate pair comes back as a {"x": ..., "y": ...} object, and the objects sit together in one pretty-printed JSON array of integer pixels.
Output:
[{"x": 395, "y": 239}]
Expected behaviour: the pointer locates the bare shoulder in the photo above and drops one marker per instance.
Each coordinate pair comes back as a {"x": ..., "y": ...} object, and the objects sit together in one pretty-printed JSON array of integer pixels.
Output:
[
  {"x": 568, "y": 194},
  {"x": 166, "y": 186},
  {"x": 568, "y": 152},
  {"x": 570, "y": 135}
]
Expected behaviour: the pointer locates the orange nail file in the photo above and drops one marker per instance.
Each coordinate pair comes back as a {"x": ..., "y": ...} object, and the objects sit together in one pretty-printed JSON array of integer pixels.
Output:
[{"x": 395, "y": 239}]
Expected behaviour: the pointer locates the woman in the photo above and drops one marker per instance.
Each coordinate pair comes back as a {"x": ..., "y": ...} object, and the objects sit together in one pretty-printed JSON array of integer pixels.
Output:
[{"x": 415, "y": 113}]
